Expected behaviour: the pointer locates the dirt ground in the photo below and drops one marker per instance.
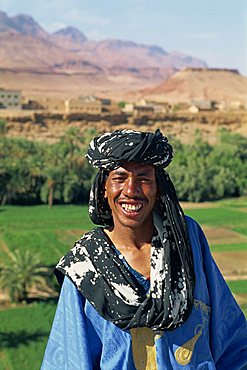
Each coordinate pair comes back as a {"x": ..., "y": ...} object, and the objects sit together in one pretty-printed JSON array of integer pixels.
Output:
[
  {"x": 233, "y": 265},
  {"x": 241, "y": 298},
  {"x": 192, "y": 205},
  {"x": 221, "y": 235}
]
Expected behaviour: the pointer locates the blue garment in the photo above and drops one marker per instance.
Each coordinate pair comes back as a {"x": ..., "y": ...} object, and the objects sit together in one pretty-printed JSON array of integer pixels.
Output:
[{"x": 81, "y": 339}]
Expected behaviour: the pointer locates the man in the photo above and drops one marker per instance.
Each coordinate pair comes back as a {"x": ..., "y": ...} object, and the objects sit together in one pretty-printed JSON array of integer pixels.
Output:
[{"x": 142, "y": 291}]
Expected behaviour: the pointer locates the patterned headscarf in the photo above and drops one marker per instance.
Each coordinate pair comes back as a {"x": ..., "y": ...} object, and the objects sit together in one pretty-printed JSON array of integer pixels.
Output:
[
  {"x": 112, "y": 148},
  {"x": 93, "y": 264}
]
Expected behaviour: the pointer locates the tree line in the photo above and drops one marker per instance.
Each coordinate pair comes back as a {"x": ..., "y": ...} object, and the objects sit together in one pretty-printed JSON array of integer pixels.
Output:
[
  {"x": 204, "y": 172},
  {"x": 34, "y": 172}
]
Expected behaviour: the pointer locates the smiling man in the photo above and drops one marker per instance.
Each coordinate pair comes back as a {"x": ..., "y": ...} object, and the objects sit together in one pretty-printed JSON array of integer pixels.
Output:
[
  {"x": 131, "y": 192},
  {"x": 142, "y": 291}
]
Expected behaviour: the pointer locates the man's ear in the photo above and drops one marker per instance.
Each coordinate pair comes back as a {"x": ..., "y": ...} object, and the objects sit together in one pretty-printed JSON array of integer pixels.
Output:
[{"x": 105, "y": 180}]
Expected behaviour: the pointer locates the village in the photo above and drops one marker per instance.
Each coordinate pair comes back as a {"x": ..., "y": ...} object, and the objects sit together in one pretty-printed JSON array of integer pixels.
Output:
[{"x": 14, "y": 100}]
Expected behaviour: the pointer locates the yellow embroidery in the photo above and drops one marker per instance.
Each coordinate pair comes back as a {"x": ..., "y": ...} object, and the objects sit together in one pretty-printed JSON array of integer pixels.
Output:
[
  {"x": 143, "y": 348},
  {"x": 201, "y": 305},
  {"x": 184, "y": 353},
  {"x": 158, "y": 334}
]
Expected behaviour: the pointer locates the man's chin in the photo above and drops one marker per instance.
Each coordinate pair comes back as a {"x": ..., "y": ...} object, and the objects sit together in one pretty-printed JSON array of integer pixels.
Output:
[{"x": 131, "y": 223}]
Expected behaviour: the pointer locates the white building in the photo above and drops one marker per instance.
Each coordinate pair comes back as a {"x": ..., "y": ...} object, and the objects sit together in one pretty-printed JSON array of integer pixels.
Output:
[{"x": 10, "y": 99}]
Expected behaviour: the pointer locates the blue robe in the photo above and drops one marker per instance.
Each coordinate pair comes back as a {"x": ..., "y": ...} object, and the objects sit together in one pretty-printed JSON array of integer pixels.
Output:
[{"x": 213, "y": 337}]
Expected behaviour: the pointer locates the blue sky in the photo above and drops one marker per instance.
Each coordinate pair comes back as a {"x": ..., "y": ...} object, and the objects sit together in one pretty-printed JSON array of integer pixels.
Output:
[{"x": 213, "y": 30}]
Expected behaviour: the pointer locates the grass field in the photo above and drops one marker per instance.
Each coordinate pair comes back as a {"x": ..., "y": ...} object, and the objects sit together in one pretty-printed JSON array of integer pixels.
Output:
[
  {"x": 51, "y": 232},
  {"x": 24, "y": 332}
]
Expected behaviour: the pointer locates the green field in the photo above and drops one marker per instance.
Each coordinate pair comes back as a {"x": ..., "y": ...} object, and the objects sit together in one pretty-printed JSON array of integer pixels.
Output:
[
  {"x": 24, "y": 332},
  {"x": 51, "y": 232}
]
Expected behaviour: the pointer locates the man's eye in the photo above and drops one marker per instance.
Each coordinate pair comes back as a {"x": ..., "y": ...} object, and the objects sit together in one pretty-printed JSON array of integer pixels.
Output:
[{"x": 118, "y": 179}]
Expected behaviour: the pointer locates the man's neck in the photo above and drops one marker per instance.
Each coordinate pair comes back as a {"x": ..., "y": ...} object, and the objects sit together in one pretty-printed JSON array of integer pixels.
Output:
[
  {"x": 134, "y": 244},
  {"x": 129, "y": 238}
]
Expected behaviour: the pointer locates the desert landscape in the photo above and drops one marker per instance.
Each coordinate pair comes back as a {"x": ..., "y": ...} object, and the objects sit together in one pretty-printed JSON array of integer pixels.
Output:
[{"x": 67, "y": 65}]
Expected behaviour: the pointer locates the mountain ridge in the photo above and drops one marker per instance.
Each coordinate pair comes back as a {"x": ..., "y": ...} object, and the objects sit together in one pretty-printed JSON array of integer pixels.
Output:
[
  {"x": 67, "y": 63},
  {"x": 98, "y": 52}
]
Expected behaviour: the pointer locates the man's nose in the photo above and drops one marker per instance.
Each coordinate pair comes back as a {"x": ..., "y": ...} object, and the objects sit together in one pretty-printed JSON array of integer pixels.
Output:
[{"x": 131, "y": 187}]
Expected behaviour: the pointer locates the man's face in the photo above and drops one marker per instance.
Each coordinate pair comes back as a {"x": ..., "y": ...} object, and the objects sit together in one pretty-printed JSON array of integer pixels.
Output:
[{"x": 131, "y": 191}]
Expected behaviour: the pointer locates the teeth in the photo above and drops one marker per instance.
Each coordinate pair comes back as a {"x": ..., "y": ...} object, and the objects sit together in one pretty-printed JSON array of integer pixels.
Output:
[{"x": 131, "y": 207}]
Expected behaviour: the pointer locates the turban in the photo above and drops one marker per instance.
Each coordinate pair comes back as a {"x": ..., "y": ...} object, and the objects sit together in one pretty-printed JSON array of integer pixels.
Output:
[{"x": 111, "y": 149}]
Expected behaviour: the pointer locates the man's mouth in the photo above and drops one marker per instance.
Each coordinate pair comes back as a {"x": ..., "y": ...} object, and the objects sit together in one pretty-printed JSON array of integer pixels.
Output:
[{"x": 131, "y": 207}]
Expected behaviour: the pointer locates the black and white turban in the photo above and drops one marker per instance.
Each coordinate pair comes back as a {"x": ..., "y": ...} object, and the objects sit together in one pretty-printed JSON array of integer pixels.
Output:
[{"x": 112, "y": 148}]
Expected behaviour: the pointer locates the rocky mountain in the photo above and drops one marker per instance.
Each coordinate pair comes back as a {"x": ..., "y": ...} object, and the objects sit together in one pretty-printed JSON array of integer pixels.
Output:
[
  {"x": 222, "y": 85},
  {"x": 72, "y": 34},
  {"x": 22, "y": 24},
  {"x": 28, "y": 49},
  {"x": 69, "y": 38}
]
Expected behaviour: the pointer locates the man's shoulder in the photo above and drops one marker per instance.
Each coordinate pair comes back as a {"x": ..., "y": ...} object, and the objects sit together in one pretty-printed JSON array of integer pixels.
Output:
[
  {"x": 81, "y": 252},
  {"x": 190, "y": 222},
  {"x": 194, "y": 229},
  {"x": 90, "y": 235},
  {"x": 84, "y": 244}
]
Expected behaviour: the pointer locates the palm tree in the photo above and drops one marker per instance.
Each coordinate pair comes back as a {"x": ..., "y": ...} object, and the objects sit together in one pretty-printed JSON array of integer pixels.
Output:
[
  {"x": 20, "y": 169},
  {"x": 77, "y": 171},
  {"x": 53, "y": 172},
  {"x": 20, "y": 273}
]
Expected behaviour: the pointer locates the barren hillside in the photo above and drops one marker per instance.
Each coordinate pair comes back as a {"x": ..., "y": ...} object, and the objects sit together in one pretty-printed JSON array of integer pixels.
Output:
[
  {"x": 197, "y": 83},
  {"x": 50, "y": 127}
]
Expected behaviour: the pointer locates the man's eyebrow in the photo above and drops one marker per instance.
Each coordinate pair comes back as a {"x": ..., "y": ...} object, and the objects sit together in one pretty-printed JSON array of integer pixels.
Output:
[
  {"x": 123, "y": 173},
  {"x": 119, "y": 172},
  {"x": 145, "y": 173}
]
